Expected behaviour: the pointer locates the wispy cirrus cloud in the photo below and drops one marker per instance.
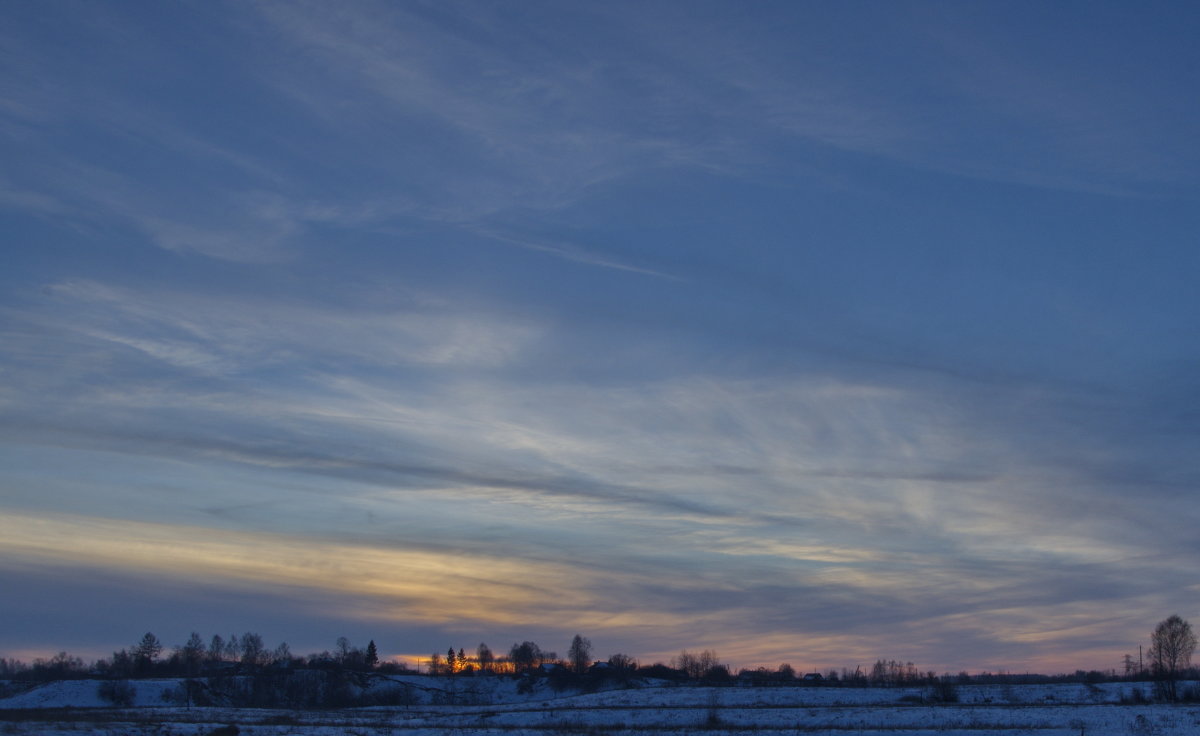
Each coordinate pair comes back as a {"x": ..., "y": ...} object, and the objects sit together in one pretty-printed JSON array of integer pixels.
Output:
[
  {"x": 825, "y": 463},
  {"x": 879, "y": 454},
  {"x": 844, "y": 560},
  {"x": 248, "y": 226},
  {"x": 727, "y": 299},
  {"x": 244, "y": 333},
  {"x": 572, "y": 252}
]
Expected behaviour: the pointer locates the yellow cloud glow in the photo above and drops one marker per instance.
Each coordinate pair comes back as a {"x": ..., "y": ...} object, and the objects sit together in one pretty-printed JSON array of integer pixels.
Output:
[{"x": 428, "y": 585}]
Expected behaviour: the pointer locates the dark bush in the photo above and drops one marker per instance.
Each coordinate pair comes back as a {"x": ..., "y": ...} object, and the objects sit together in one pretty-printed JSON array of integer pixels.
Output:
[
  {"x": 118, "y": 692},
  {"x": 943, "y": 692}
]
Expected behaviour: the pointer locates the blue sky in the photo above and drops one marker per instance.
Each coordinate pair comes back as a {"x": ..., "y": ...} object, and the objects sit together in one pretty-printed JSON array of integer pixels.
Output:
[{"x": 806, "y": 332}]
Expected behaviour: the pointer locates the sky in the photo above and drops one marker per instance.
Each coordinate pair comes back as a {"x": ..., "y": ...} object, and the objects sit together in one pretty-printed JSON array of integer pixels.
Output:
[{"x": 805, "y": 332}]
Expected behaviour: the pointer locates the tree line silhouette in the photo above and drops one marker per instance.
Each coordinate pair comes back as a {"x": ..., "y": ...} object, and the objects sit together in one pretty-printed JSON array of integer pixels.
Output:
[{"x": 245, "y": 670}]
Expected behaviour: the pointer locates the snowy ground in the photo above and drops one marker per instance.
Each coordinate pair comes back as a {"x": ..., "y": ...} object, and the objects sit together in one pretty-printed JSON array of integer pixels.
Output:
[{"x": 1049, "y": 710}]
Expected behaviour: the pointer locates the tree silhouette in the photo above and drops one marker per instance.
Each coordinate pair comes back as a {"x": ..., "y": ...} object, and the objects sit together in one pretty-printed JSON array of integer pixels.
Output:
[
  {"x": 192, "y": 654},
  {"x": 525, "y": 656},
  {"x": 216, "y": 649},
  {"x": 233, "y": 649},
  {"x": 146, "y": 651},
  {"x": 254, "y": 652},
  {"x": 580, "y": 653},
  {"x": 622, "y": 662},
  {"x": 485, "y": 657},
  {"x": 1171, "y": 647},
  {"x": 697, "y": 666}
]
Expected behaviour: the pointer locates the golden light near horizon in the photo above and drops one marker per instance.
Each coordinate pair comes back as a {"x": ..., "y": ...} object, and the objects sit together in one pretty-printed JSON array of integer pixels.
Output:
[
  {"x": 397, "y": 584},
  {"x": 414, "y": 581},
  {"x": 400, "y": 583}
]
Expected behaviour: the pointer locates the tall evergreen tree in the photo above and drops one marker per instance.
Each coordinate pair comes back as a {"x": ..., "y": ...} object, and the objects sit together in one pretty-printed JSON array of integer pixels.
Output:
[
  {"x": 193, "y": 654},
  {"x": 146, "y": 651}
]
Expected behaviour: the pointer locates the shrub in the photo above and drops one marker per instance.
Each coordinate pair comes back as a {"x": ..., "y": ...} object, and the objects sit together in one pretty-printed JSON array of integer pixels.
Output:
[
  {"x": 1136, "y": 696},
  {"x": 118, "y": 692},
  {"x": 943, "y": 692}
]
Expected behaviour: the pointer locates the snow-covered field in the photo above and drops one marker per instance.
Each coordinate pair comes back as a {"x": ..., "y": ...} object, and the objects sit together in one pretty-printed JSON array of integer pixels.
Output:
[{"x": 494, "y": 706}]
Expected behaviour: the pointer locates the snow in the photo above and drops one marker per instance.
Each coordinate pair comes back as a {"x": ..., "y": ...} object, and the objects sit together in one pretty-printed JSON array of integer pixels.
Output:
[
  {"x": 85, "y": 694},
  {"x": 488, "y": 705}
]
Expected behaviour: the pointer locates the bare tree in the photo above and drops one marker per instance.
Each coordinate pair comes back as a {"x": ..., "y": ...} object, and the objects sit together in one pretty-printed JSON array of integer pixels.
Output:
[
  {"x": 216, "y": 648},
  {"x": 254, "y": 652},
  {"x": 485, "y": 657},
  {"x": 686, "y": 663},
  {"x": 697, "y": 666},
  {"x": 1171, "y": 647},
  {"x": 526, "y": 656},
  {"x": 622, "y": 662},
  {"x": 580, "y": 653},
  {"x": 233, "y": 649}
]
